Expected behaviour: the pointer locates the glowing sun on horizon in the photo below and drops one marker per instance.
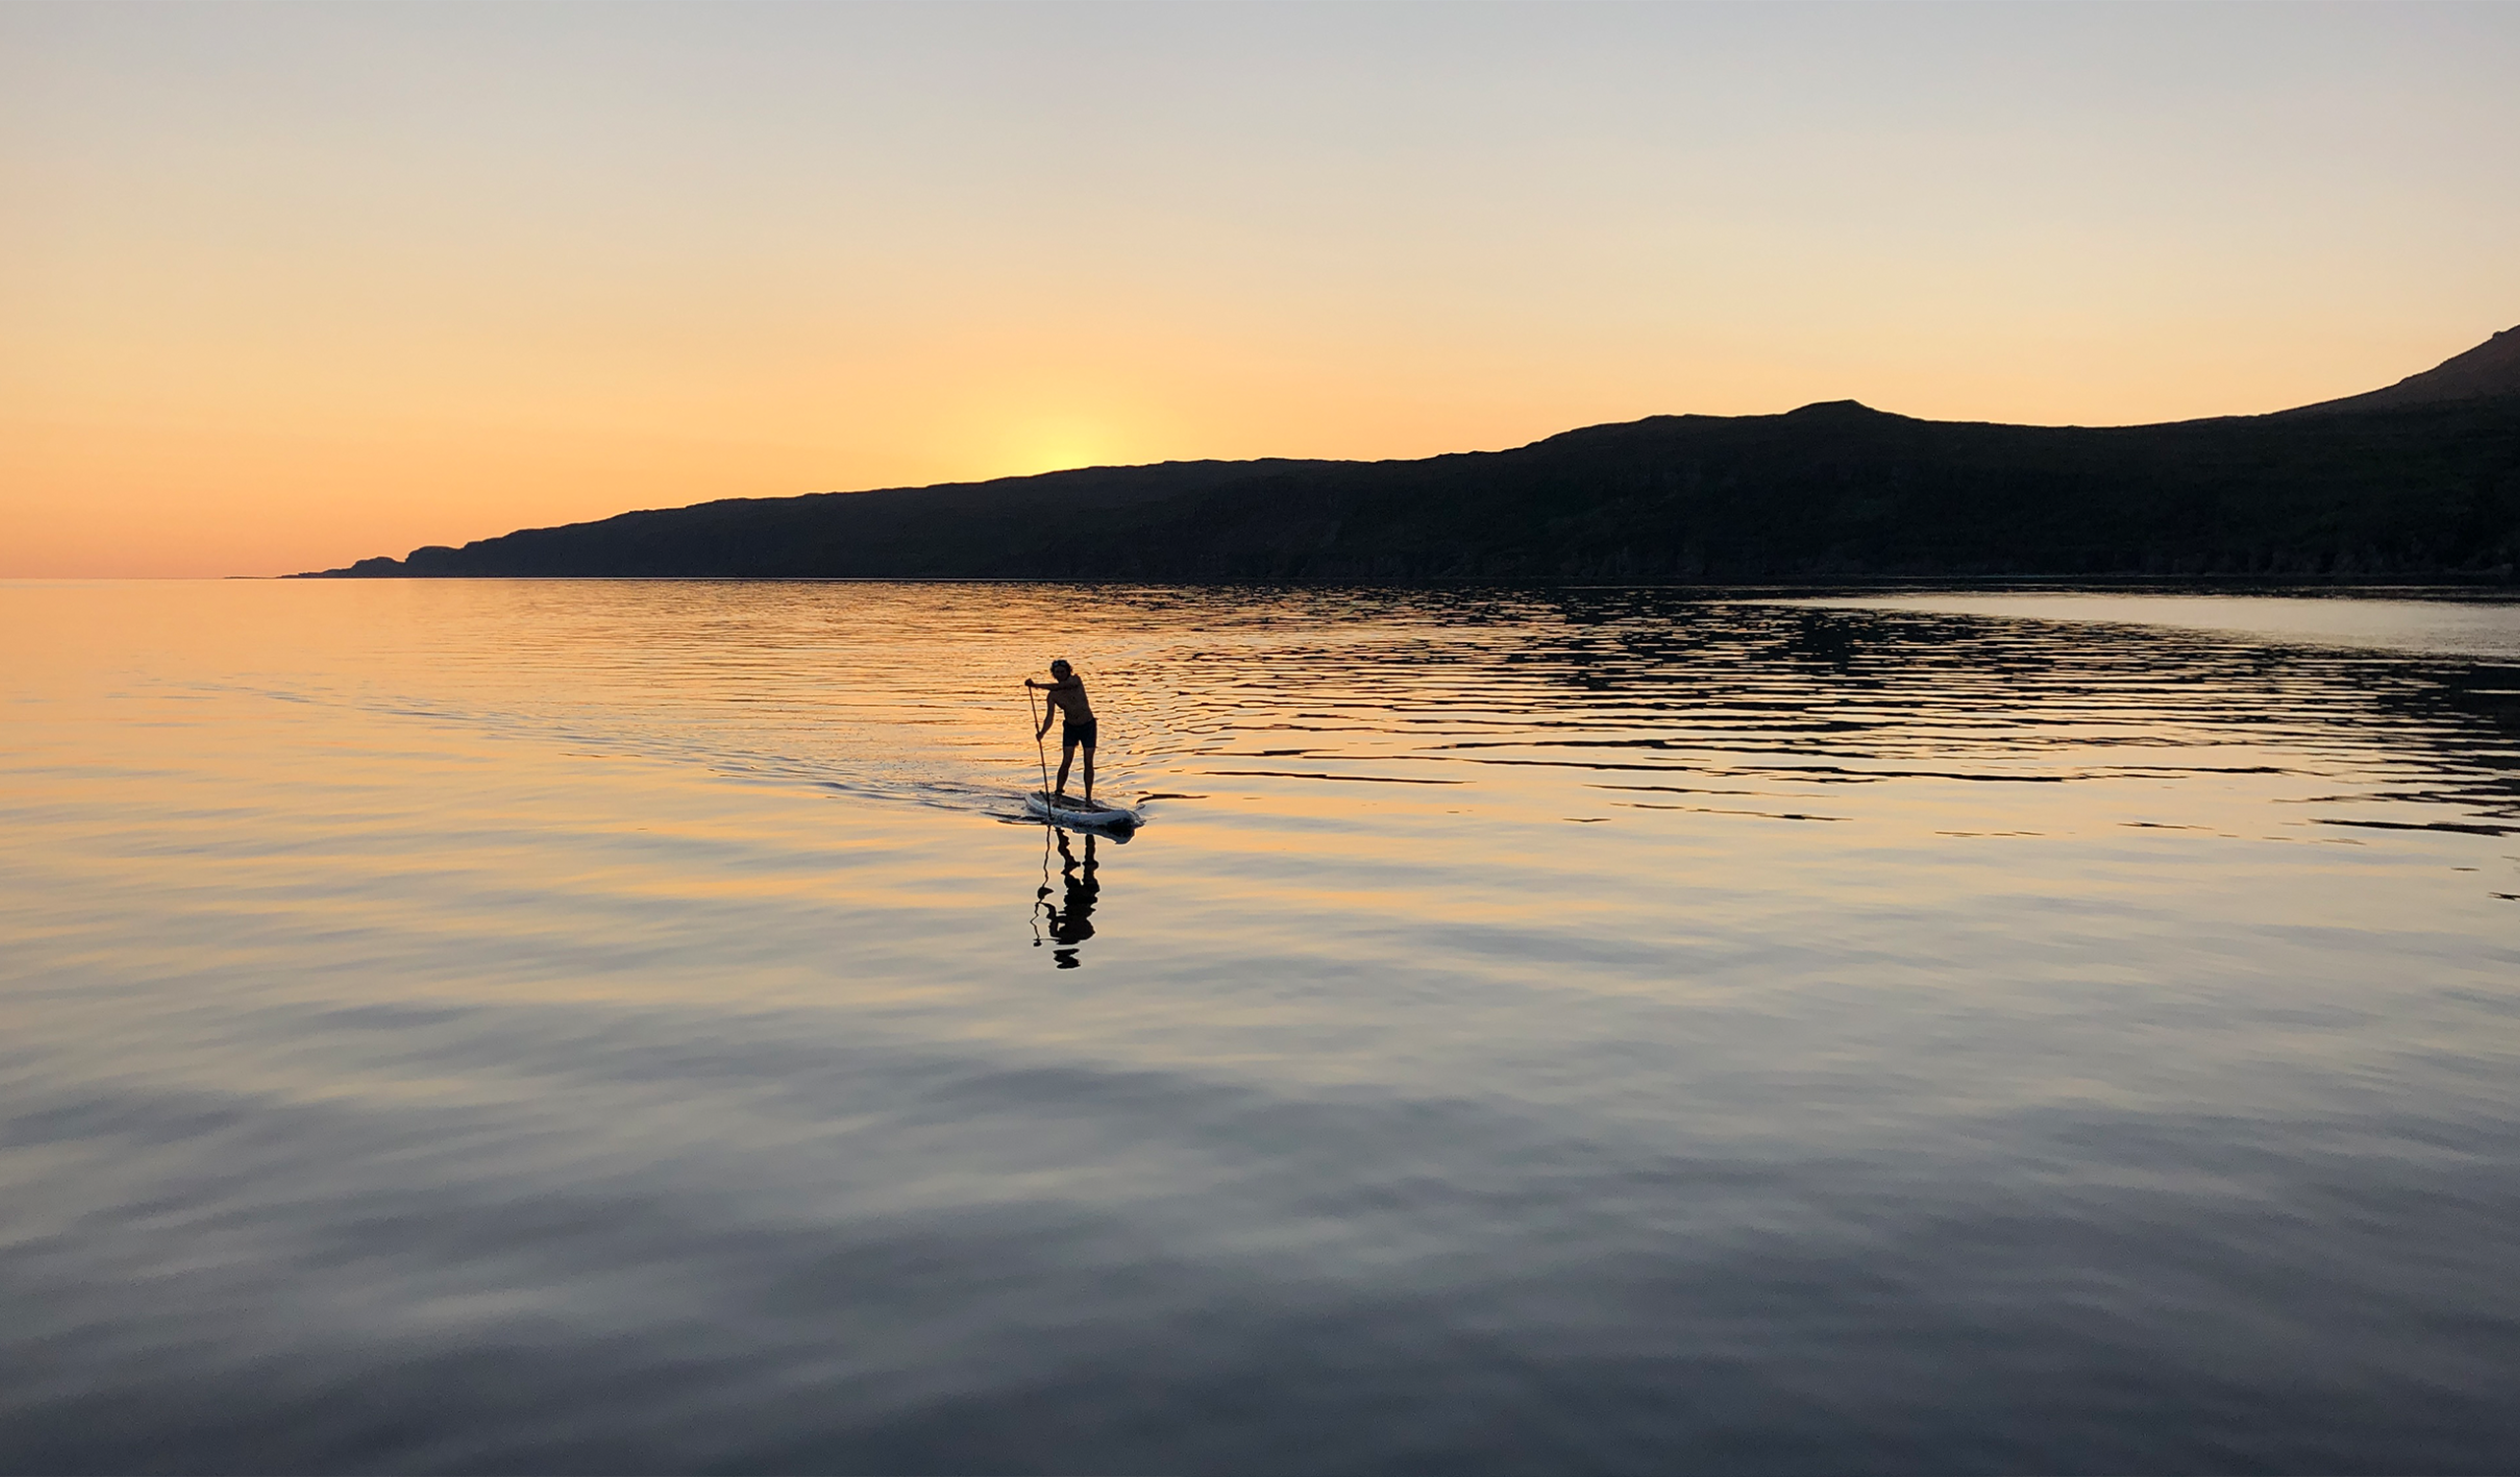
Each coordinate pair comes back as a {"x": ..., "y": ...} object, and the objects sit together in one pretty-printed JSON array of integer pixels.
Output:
[{"x": 1058, "y": 442}]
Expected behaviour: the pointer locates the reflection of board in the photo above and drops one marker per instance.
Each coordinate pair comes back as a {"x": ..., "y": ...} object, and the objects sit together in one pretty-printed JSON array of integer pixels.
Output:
[{"x": 1069, "y": 811}]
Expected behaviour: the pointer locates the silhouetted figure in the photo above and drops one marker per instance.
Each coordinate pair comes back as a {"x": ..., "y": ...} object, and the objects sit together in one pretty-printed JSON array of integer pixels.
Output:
[
  {"x": 1066, "y": 693},
  {"x": 1073, "y": 924}
]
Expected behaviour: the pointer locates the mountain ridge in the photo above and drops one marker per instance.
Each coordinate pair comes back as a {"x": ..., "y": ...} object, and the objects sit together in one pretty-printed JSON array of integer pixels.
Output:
[
  {"x": 2420, "y": 478},
  {"x": 2491, "y": 368}
]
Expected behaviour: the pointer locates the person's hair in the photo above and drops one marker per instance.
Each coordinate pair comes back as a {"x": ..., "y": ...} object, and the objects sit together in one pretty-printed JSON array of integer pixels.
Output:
[{"x": 1060, "y": 668}]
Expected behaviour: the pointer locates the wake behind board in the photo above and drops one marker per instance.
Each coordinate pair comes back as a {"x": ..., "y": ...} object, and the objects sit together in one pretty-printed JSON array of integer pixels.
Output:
[{"x": 1068, "y": 810}]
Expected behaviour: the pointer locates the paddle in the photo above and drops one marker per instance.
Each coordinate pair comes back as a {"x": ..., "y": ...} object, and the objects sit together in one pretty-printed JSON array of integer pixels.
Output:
[{"x": 1038, "y": 752}]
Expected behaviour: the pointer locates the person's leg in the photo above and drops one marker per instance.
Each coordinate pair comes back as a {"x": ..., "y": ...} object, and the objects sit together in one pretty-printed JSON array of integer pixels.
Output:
[
  {"x": 1067, "y": 756},
  {"x": 1089, "y": 772}
]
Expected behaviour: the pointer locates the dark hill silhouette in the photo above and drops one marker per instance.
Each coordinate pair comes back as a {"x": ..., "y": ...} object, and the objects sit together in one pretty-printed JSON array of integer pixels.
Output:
[
  {"x": 2426, "y": 485},
  {"x": 2489, "y": 370}
]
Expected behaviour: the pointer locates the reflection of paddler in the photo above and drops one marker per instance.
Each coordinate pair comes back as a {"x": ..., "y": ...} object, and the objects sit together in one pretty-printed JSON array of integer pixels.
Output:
[
  {"x": 1073, "y": 924},
  {"x": 1066, "y": 693}
]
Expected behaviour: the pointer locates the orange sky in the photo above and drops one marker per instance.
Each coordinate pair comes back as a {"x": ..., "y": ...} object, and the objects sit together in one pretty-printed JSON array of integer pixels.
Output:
[{"x": 282, "y": 288}]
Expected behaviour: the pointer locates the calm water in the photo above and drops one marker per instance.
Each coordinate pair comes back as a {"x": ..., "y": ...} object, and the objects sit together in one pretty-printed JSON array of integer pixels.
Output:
[{"x": 484, "y": 1026}]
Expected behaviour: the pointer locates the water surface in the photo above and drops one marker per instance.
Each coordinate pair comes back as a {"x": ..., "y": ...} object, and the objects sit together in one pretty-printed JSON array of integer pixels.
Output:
[{"x": 615, "y": 1025}]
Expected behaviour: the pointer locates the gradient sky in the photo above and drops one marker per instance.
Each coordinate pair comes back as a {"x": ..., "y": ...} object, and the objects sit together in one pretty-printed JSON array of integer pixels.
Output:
[{"x": 282, "y": 286}]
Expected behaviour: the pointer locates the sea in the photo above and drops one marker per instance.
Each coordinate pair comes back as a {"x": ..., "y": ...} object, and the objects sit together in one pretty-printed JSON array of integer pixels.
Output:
[{"x": 574, "y": 1026}]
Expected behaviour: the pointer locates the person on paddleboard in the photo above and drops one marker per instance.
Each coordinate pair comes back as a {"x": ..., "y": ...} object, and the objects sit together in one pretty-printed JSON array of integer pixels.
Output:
[{"x": 1065, "y": 692}]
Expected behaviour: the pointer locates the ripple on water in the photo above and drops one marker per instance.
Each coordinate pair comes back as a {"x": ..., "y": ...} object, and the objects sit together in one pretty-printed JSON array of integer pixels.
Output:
[{"x": 503, "y": 1025}]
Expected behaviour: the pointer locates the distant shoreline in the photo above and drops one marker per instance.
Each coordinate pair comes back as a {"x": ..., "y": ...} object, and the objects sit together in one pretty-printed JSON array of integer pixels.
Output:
[
  {"x": 2445, "y": 585},
  {"x": 2421, "y": 481}
]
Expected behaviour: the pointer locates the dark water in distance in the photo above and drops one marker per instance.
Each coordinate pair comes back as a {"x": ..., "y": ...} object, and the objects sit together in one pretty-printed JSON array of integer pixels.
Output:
[{"x": 606, "y": 1025}]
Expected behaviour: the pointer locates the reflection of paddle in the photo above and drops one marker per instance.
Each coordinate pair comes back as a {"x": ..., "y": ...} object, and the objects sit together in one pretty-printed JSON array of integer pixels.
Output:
[
  {"x": 1041, "y": 895},
  {"x": 1037, "y": 726}
]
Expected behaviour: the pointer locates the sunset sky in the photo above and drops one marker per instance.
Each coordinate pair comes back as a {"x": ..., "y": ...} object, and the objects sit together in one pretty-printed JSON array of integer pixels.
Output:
[{"x": 283, "y": 286}]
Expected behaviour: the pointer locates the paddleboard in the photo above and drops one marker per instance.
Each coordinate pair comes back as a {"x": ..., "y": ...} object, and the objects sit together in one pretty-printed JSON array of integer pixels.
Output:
[{"x": 1070, "y": 811}]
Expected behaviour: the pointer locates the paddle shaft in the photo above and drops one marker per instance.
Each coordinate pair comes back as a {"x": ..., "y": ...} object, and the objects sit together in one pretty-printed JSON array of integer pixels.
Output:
[{"x": 1038, "y": 752}]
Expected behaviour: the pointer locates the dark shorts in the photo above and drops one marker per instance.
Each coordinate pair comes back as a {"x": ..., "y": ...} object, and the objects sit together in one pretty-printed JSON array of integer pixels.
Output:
[{"x": 1072, "y": 734}]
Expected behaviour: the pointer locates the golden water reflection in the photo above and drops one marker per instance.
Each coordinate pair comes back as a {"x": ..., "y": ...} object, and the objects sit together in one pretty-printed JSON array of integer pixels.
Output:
[{"x": 1534, "y": 1030}]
